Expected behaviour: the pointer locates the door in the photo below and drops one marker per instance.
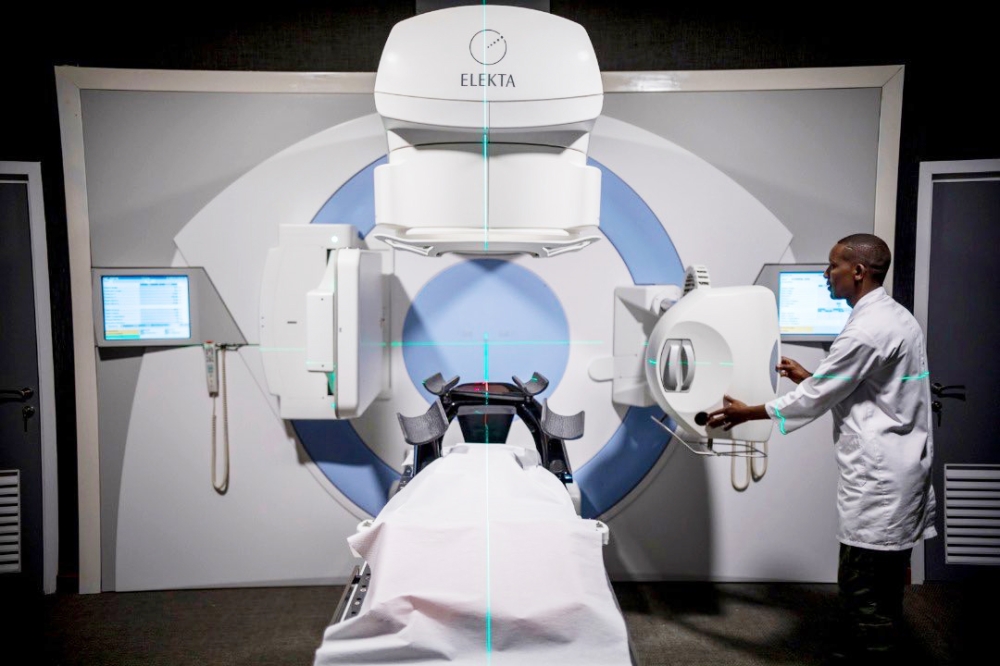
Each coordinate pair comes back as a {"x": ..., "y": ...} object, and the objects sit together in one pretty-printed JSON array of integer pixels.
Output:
[
  {"x": 957, "y": 300},
  {"x": 28, "y": 480}
]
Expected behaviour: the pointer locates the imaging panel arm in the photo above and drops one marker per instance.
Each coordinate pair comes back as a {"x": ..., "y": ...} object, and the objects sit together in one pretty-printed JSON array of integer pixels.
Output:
[{"x": 323, "y": 321}]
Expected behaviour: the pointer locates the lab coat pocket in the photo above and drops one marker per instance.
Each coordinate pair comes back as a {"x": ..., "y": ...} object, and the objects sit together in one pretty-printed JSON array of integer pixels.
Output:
[{"x": 851, "y": 459}]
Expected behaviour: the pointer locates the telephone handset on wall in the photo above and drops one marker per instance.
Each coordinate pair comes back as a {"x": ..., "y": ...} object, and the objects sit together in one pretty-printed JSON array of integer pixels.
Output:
[
  {"x": 211, "y": 367},
  {"x": 215, "y": 374}
]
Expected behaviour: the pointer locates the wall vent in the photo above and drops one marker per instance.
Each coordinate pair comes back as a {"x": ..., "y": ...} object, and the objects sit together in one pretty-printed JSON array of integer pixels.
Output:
[
  {"x": 10, "y": 521},
  {"x": 972, "y": 514}
]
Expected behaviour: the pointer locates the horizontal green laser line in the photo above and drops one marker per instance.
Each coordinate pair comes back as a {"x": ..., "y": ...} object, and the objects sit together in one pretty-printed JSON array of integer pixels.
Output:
[
  {"x": 920, "y": 376},
  {"x": 494, "y": 343},
  {"x": 653, "y": 361}
]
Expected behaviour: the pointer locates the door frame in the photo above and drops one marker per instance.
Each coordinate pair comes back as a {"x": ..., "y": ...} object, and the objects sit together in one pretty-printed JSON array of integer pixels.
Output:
[
  {"x": 929, "y": 173},
  {"x": 46, "y": 371}
]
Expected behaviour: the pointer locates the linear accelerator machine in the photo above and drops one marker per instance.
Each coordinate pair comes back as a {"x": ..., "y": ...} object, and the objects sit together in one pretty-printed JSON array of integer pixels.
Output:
[{"x": 481, "y": 548}]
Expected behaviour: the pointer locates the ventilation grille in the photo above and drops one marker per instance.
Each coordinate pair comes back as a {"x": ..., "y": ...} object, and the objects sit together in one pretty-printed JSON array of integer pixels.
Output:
[
  {"x": 696, "y": 276},
  {"x": 10, "y": 521},
  {"x": 972, "y": 514}
]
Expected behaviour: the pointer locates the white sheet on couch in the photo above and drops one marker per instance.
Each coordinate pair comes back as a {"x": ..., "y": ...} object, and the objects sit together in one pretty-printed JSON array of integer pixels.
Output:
[{"x": 481, "y": 559}]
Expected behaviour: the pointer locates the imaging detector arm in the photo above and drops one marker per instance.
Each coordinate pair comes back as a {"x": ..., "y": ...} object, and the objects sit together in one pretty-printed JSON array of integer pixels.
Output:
[
  {"x": 323, "y": 323},
  {"x": 715, "y": 342},
  {"x": 683, "y": 351}
]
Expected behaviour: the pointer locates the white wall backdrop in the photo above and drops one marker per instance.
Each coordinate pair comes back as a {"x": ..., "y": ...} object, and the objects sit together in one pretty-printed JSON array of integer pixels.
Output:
[{"x": 736, "y": 177}]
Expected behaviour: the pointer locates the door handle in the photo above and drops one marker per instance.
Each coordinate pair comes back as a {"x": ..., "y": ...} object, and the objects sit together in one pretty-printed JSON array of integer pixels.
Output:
[
  {"x": 940, "y": 391},
  {"x": 18, "y": 394},
  {"x": 26, "y": 413}
]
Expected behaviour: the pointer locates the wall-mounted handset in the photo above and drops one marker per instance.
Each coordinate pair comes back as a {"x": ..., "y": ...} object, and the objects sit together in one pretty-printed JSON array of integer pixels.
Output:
[
  {"x": 215, "y": 375},
  {"x": 211, "y": 367}
]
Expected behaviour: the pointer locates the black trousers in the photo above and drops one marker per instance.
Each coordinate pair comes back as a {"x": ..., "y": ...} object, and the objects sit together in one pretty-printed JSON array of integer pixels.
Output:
[{"x": 871, "y": 584}]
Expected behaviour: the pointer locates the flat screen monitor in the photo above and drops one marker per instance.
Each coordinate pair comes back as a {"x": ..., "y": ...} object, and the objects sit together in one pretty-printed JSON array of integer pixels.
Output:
[
  {"x": 145, "y": 307},
  {"x": 805, "y": 307},
  {"x": 806, "y": 311}
]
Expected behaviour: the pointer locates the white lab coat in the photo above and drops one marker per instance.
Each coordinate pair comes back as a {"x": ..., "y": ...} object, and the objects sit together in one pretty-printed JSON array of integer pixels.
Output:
[{"x": 875, "y": 383}]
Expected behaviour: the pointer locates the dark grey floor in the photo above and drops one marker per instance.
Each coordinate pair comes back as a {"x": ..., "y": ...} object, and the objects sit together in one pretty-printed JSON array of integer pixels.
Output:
[{"x": 669, "y": 623}]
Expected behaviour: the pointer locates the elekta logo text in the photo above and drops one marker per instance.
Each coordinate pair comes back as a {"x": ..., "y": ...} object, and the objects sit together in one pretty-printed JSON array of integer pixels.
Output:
[
  {"x": 484, "y": 80},
  {"x": 488, "y": 47}
]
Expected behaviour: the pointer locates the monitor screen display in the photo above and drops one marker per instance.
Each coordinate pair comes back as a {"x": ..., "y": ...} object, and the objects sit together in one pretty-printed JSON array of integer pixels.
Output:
[
  {"x": 146, "y": 308},
  {"x": 805, "y": 307}
]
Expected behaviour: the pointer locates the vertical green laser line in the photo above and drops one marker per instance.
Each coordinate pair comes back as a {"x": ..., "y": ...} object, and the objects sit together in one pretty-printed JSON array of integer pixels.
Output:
[
  {"x": 486, "y": 140},
  {"x": 486, "y": 365},
  {"x": 486, "y": 348},
  {"x": 486, "y": 190}
]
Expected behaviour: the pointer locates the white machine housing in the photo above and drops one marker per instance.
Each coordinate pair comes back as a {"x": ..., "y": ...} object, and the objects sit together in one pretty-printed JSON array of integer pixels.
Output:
[
  {"x": 685, "y": 349},
  {"x": 488, "y": 112},
  {"x": 323, "y": 324},
  {"x": 716, "y": 341},
  {"x": 637, "y": 311}
]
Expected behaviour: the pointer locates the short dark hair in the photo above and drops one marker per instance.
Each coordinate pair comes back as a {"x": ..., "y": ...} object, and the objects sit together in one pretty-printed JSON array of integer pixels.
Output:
[{"x": 871, "y": 252}]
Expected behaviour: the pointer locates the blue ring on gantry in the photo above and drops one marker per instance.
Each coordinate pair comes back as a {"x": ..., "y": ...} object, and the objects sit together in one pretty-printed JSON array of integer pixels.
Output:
[{"x": 629, "y": 454}]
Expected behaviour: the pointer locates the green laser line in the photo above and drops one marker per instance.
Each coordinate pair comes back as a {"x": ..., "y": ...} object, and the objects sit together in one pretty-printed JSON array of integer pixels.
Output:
[
  {"x": 486, "y": 174},
  {"x": 486, "y": 355},
  {"x": 486, "y": 157},
  {"x": 727, "y": 364},
  {"x": 920, "y": 376},
  {"x": 486, "y": 364},
  {"x": 495, "y": 343},
  {"x": 781, "y": 424}
]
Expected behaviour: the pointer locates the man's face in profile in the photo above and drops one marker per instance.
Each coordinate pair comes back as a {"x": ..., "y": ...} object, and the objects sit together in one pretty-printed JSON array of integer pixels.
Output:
[{"x": 839, "y": 273}]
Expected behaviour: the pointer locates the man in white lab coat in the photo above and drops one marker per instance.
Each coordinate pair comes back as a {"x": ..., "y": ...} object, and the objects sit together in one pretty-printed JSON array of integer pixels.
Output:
[{"x": 874, "y": 382}]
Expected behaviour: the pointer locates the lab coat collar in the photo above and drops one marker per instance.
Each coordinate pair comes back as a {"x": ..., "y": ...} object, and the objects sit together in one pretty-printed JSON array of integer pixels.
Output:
[{"x": 871, "y": 297}]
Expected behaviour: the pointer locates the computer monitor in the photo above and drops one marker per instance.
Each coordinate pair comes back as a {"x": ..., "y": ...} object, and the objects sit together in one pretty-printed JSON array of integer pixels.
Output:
[
  {"x": 141, "y": 307},
  {"x": 806, "y": 311}
]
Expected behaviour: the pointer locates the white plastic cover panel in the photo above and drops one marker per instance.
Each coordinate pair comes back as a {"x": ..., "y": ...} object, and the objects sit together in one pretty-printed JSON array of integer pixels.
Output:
[
  {"x": 715, "y": 342},
  {"x": 322, "y": 322}
]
